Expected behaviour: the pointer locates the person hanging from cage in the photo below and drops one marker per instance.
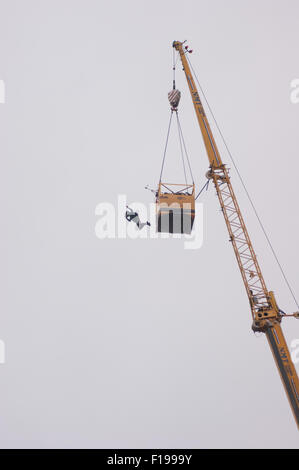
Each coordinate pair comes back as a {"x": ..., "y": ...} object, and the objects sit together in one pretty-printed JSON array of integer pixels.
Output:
[{"x": 133, "y": 216}]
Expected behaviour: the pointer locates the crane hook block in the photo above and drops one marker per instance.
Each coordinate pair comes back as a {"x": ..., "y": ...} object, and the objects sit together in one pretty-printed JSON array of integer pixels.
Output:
[{"x": 174, "y": 97}]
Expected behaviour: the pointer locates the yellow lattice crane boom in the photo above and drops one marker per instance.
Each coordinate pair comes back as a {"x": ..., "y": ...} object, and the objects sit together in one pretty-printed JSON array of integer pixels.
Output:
[{"x": 265, "y": 312}]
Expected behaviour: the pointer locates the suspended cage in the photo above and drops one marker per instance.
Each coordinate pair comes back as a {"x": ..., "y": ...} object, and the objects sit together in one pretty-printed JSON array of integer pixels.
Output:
[
  {"x": 175, "y": 208},
  {"x": 175, "y": 203}
]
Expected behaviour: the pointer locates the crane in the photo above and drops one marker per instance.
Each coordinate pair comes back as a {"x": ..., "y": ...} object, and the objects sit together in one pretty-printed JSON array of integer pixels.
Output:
[{"x": 266, "y": 314}]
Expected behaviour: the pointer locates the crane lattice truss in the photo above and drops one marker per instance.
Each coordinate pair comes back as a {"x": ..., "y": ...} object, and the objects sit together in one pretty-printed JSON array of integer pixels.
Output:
[{"x": 248, "y": 264}]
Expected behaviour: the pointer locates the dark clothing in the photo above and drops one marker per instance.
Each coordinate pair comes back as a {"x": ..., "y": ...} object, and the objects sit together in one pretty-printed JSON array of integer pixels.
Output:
[{"x": 131, "y": 215}]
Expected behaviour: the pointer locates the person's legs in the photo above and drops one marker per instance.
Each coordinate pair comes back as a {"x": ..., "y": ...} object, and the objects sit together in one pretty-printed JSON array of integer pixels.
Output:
[
  {"x": 135, "y": 218},
  {"x": 143, "y": 224}
]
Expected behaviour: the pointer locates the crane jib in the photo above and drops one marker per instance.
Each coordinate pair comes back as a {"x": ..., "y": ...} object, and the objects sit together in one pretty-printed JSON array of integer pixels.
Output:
[
  {"x": 190, "y": 81},
  {"x": 199, "y": 107},
  {"x": 198, "y": 102},
  {"x": 265, "y": 312},
  {"x": 212, "y": 145}
]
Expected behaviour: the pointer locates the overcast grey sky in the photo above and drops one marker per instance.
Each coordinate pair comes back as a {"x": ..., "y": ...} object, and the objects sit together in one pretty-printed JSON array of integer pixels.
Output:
[{"x": 140, "y": 343}]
